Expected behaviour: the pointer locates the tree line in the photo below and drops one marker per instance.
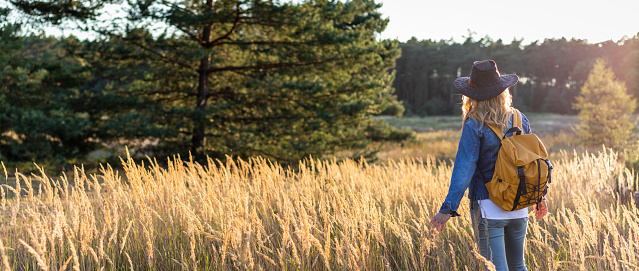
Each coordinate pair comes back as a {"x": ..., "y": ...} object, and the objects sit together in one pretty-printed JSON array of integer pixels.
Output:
[{"x": 551, "y": 72}]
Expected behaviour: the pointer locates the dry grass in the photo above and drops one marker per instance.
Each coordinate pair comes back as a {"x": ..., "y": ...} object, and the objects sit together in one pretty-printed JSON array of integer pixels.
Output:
[{"x": 322, "y": 215}]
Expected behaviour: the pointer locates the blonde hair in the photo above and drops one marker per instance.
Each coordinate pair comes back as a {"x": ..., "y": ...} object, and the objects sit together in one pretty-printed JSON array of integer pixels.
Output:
[{"x": 496, "y": 110}]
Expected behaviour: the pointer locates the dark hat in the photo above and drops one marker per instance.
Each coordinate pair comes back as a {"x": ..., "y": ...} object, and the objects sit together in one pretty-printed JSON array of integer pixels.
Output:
[{"x": 484, "y": 81}]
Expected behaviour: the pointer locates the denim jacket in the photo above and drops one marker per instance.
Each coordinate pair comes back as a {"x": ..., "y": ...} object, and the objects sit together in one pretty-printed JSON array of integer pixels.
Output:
[{"x": 475, "y": 159}]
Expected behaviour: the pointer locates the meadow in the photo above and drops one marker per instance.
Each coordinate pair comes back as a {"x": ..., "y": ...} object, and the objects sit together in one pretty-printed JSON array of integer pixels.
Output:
[
  {"x": 322, "y": 214},
  {"x": 438, "y": 136}
]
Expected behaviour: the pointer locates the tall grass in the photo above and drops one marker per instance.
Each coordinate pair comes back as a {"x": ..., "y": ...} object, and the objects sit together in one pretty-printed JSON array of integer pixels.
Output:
[{"x": 322, "y": 215}]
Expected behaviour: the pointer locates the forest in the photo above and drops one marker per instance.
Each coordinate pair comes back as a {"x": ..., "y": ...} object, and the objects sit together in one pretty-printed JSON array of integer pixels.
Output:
[{"x": 551, "y": 72}]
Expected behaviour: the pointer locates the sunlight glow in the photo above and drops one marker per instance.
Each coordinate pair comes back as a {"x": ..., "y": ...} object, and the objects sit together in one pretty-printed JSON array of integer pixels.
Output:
[{"x": 595, "y": 21}]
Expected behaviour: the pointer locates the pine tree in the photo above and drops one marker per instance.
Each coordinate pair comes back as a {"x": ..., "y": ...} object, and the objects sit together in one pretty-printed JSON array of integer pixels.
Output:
[
  {"x": 39, "y": 84},
  {"x": 605, "y": 109},
  {"x": 245, "y": 77}
]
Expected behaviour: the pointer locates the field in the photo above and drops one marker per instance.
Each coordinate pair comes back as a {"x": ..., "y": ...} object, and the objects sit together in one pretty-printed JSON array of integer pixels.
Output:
[
  {"x": 329, "y": 214},
  {"x": 439, "y": 136}
]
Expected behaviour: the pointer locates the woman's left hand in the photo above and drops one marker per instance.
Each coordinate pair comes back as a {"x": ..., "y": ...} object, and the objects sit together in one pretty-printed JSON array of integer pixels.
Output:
[
  {"x": 541, "y": 209},
  {"x": 439, "y": 220}
]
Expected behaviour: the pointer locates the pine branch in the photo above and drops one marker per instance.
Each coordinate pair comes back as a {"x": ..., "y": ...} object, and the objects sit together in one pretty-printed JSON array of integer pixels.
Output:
[
  {"x": 253, "y": 21},
  {"x": 270, "y": 66},
  {"x": 228, "y": 34},
  {"x": 184, "y": 29},
  {"x": 264, "y": 42},
  {"x": 149, "y": 50},
  {"x": 266, "y": 118},
  {"x": 161, "y": 56},
  {"x": 173, "y": 91},
  {"x": 188, "y": 33}
]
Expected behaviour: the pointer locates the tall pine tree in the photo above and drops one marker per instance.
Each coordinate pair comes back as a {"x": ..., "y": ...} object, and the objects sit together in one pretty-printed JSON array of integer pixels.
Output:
[{"x": 245, "y": 77}]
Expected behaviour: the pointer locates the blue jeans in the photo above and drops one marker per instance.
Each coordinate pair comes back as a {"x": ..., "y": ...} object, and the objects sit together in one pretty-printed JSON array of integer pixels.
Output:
[{"x": 500, "y": 240}]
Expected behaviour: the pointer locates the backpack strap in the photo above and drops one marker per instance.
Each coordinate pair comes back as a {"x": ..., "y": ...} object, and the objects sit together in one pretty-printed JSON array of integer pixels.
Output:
[
  {"x": 516, "y": 127},
  {"x": 517, "y": 120},
  {"x": 498, "y": 132}
]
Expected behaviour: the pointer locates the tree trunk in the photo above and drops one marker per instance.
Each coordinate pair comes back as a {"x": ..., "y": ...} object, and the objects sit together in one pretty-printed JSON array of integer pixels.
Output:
[{"x": 199, "y": 138}]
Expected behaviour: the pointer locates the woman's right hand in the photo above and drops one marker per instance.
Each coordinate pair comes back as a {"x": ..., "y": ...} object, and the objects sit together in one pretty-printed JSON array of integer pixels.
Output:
[{"x": 439, "y": 220}]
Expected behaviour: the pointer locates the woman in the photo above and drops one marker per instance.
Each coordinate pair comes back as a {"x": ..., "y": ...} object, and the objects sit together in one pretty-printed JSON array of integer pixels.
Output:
[{"x": 486, "y": 99}]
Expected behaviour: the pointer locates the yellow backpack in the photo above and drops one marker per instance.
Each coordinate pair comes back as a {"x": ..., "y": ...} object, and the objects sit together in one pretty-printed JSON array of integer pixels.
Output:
[{"x": 522, "y": 170}]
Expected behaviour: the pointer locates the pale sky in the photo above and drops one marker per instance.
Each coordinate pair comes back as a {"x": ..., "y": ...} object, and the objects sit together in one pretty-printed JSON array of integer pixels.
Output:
[{"x": 595, "y": 21}]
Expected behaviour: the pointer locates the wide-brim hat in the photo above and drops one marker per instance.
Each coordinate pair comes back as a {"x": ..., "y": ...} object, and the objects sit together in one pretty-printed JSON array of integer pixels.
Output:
[{"x": 485, "y": 82}]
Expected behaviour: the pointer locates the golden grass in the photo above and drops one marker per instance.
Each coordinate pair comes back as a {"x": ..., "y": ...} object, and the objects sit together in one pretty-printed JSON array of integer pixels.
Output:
[{"x": 323, "y": 215}]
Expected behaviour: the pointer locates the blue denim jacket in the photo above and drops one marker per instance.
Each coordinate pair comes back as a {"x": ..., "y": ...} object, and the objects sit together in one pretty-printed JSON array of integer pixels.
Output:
[{"x": 476, "y": 157}]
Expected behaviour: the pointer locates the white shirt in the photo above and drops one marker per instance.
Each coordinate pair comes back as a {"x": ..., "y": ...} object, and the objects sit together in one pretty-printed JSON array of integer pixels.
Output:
[{"x": 490, "y": 210}]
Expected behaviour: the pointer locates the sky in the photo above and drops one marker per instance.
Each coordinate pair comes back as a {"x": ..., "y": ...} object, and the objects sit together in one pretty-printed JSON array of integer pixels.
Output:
[{"x": 594, "y": 21}]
